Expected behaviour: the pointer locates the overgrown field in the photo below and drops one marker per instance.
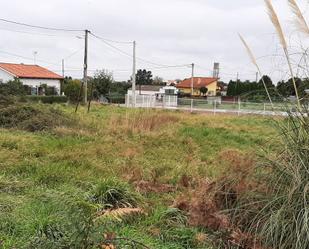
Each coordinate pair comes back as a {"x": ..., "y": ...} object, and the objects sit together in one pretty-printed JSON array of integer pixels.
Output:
[{"x": 72, "y": 180}]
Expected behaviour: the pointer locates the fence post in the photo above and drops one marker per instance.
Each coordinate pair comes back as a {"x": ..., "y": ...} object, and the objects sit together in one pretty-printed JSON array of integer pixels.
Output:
[
  {"x": 191, "y": 109},
  {"x": 264, "y": 109},
  {"x": 215, "y": 106},
  {"x": 239, "y": 106}
]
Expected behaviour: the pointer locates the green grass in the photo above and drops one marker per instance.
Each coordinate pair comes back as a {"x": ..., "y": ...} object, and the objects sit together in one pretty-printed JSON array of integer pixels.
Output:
[{"x": 49, "y": 178}]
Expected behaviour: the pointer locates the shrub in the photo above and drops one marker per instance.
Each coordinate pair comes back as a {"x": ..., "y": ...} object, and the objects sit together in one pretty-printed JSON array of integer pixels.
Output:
[
  {"x": 72, "y": 89},
  {"x": 13, "y": 87},
  {"x": 116, "y": 98},
  {"x": 47, "y": 99},
  {"x": 6, "y": 100},
  {"x": 114, "y": 194},
  {"x": 31, "y": 118}
]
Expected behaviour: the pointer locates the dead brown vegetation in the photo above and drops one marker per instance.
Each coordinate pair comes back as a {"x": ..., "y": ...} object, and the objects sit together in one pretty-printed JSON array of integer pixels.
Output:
[{"x": 206, "y": 203}]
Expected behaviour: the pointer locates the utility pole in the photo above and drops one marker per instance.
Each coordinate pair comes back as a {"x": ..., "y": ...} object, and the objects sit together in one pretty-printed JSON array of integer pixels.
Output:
[
  {"x": 62, "y": 67},
  {"x": 237, "y": 77},
  {"x": 257, "y": 77},
  {"x": 134, "y": 75},
  {"x": 34, "y": 56},
  {"x": 85, "y": 65},
  {"x": 192, "y": 80}
]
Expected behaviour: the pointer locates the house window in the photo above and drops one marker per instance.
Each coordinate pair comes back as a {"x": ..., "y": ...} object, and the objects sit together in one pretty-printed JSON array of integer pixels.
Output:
[
  {"x": 169, "y": 92},
  {"x": 34, "y": 90}
]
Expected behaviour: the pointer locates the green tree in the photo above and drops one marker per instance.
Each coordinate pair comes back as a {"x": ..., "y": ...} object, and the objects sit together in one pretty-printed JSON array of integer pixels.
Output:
[
  {"x": 71, "y": 89},
  {"x": 102, "y": 82},
  {"x": 13, "y": 87},
  {"x": 203, "y": 90},
  {"x": 144, "y": 77},
  {"x": 158, "y": 81},
  {"x": 268, "y": 82}
]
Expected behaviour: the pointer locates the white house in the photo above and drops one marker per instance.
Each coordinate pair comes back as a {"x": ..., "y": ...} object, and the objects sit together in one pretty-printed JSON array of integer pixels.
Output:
[
  {"x": 33, "y": 76},
  {"x": 152, "y": 95},
  {"x": 154, "y": 90}
]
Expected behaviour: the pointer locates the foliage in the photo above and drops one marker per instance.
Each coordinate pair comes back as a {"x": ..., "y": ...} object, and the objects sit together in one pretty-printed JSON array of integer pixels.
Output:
[
  {"x": 13, "y": 87},
  {"x": 114, "y": 194},
  {"x": 30, "y": 118},
  {"x": 144, "y": 77},
  {"x": 286, "y": 88},
  {"x": 116, "y": 98},
  {"x": 53, "y": 184},
  {"x": 203, "y": 90},
  {"x": 119, "y": 88},
  {"x": 158, "y": 81},
  {"x": 71, "y": 89},
  {"x": 283, "y": 219},
  {"x": 47, "y": 99},
  {"x": 102, "y": 83},
  {"x": 49, "y": 91},
  {"x": 239, "y": 88}
]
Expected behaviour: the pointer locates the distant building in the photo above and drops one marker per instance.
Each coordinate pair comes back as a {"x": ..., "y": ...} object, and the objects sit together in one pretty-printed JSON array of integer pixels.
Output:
[
  {"x": 153, "y": 90},
  {"x": 33, "y": 76},
  {"x": 222, "y": 88},
  {"x": 198, "y": 82}
]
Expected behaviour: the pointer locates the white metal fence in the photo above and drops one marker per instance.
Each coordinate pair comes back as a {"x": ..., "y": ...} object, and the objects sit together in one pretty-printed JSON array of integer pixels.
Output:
[
  {"x": 213, "y": 105},
  {"x": 151, "y": 101}
]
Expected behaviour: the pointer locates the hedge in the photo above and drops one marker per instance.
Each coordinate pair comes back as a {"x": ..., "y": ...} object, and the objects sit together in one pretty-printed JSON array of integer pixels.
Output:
[{"x": 47, "y": 99}]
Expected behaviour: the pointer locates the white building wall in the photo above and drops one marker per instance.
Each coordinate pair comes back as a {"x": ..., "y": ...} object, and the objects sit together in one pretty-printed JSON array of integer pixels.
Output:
[
  {"x": 5, "y": 77},
  {"x": 39, "y": 82}
]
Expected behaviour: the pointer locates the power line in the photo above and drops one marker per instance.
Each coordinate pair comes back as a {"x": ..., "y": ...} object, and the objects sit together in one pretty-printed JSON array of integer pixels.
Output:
[
  {"x": 40, "y": 27},
  {"x": 30, "y": 33},
  {"x": 112, "y": 46},
  {"x": 127, "y": 54},
  {"x": 109, "y": 40},
  {"x": 27, "y": 58}
]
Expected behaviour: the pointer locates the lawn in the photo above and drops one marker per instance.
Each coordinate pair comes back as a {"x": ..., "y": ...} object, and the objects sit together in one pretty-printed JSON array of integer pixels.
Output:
[{"x": 52, "y": 181}]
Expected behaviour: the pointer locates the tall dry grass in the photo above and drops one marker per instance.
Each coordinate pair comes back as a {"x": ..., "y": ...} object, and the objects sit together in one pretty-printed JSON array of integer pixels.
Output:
[
  {"x": 300, "y": 20},
  {"x": 280, "y": 217},
  {"x": 142, "y": 121},
  {"x": 283, "y": 221},
  {"x": 276, "y": 23},
  {"x": 254, "y": 61}
]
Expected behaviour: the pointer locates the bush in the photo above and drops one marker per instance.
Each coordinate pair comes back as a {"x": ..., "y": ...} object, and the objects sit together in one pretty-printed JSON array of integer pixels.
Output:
[
  {"x": 72, "y": 89},
  {"x": 116, "y": 98},
  {"x": 47, "y": 99},
  {"x": 6, "y": 100},
  {"x": 114, "y": 194},
  {"x": 31, "y": 118},
  {"x": 13, "y": 87}
]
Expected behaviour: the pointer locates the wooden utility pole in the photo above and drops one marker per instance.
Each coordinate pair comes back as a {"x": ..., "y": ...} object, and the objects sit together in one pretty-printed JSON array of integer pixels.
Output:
[
  {"x": 134, "y": 76},
  {"x": 85, "y": 78},
  {"x": 63, "y": 68},
  {"x": 192, "y": 80}
]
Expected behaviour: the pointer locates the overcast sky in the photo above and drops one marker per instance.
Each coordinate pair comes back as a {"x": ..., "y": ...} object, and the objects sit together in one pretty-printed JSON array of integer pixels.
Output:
[{"x": 167, "y": 32}]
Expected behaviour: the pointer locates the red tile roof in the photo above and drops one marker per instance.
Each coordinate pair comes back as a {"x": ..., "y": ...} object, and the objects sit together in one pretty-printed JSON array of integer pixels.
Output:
[
  {"x": 29, "y": 71},
  {"x": 198, "y": 82}
]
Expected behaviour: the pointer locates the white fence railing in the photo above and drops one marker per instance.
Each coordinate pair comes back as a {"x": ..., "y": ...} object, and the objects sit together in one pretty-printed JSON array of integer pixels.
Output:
[
  {"x": 151, "y": 101},
  {"x": 212, "y": 105}
]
